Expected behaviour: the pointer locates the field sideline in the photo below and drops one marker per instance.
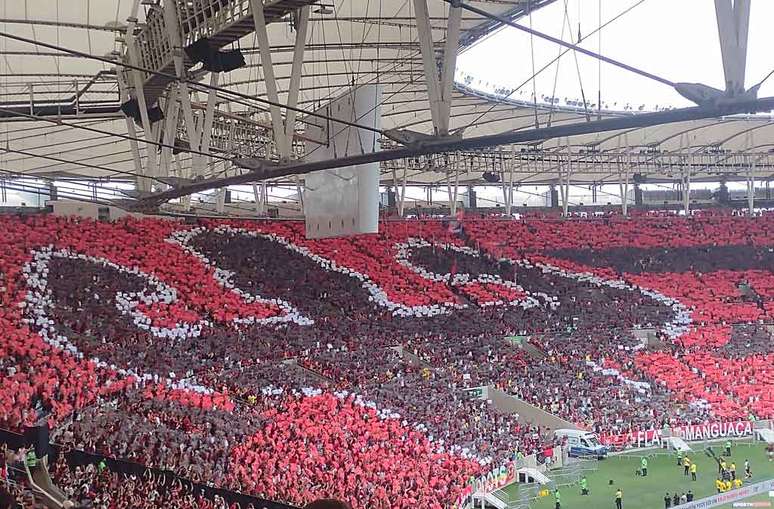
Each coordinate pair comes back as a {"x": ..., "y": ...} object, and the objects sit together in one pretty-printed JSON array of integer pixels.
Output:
[{"x": 663, "y": 476}]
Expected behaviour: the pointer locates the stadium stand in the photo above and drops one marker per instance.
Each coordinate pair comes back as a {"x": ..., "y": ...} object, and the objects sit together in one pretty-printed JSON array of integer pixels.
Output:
[{"x": 220, "y": 351}]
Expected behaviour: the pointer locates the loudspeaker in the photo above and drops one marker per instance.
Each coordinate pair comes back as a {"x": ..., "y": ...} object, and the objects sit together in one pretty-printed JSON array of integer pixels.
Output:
[
  {"x": 490, "y": 177},
  {"x": 471, "y": 198},
  {"x": 227, "y": 197},
  {"x": 155, "y": 114},
  {"x": 212, "y": 59},
  {"x": 226, "y": 61},
  {"x": 180, "y": 146},
  {"x": 131, "y": 108},
  {"x": 200, "y": 51}
]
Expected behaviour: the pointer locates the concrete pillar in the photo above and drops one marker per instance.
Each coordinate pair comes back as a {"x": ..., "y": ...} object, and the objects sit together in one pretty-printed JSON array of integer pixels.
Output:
[
  {"x": 637, "y": 195},
  {"x": 554, "y": 196},
  {"x": 723, "y": 193}
]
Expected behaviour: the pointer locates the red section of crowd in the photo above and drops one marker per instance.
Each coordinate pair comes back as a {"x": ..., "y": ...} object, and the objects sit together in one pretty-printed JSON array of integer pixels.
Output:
[
  {"x": 394, "y": 448},
  {"x": 333, "y": 445},
  {"x": 716, "y": 300}
]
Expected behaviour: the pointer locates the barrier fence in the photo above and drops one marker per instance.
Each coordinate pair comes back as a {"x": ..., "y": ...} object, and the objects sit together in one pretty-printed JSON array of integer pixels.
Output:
[{"x": 731, "y": 496}]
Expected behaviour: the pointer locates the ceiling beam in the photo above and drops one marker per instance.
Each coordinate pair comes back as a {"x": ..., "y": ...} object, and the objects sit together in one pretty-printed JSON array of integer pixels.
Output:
[{"x": 260, "y": 170}]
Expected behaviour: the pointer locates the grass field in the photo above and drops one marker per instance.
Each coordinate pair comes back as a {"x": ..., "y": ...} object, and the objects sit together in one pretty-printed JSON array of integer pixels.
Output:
[{"x": 663, "y": 476}]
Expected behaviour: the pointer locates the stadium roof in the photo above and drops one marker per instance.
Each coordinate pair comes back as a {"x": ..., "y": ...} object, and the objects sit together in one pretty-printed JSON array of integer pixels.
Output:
[{"x": 61, "y": 116}]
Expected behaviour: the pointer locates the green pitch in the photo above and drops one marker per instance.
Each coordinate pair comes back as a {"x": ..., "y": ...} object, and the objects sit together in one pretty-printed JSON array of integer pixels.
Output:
[{"x": 663, "y": 476}]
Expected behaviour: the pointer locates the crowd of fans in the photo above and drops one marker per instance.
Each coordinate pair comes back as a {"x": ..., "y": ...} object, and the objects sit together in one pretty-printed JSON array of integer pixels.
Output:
[
  {"x": 94, "y": 485},
  {"x": 245, "y": 356}
]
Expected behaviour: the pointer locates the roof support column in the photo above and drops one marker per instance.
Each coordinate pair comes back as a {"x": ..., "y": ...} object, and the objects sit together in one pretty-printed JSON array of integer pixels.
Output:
[
  {"x": 260, "y": 196},
  {"x": 257, "y": 200},
  {"x": 134, "y": 147},
  {"x": 153, "y": 152},
  {"x": 564, "y": 177},
  {"x": 623, "y": 185},
  {"x": 402, "y": 197},
  {"x": 295, "y": 85},
  {"x": 453, "y": 191},
  {"x": 170, "y": 130},
  {"x": 751, "y": 187},
  {"x": 439, "y": 89},
  {"x": 221, "y": 197},
  {"x": 137, "y": 81},
  {"x": 393, "y": 169},
  {"x": 425, "y": 36},
  {"x": 283, "y": 130},
  {"x": 564, "y": 188},
  {"x": 295, "y": 73},
  {"x": 623, "y": 179},
  {"x": 751, "y": 166},
  {"x": 733, "y": 24},
  {"x": 449, "y": 66},
  {"x": 205, "y": 135},
  {"x": 172, "y": 23},
  {"x": 687, "y": 192},
  {"x": 686, "y": 164},
  {"x": 508, "y": 191},
  {"x": 220, "y": 200}
]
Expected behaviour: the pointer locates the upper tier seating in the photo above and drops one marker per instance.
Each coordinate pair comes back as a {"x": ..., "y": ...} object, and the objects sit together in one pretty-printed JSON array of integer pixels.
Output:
[{"x": 223, "y": 350}]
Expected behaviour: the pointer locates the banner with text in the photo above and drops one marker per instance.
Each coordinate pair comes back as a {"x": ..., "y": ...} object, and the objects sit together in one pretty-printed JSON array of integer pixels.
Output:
[
  {"x": 689, "y": 433},
  {"x": 732, "y": 496},
  {"x": 495, "y": 479}
]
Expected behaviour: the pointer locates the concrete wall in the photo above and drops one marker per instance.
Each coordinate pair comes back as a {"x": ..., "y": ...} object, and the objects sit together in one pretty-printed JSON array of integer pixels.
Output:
[{"x": 528, "y": 414}]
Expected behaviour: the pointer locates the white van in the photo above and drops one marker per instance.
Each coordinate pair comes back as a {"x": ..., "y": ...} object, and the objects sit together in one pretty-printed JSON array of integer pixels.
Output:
[{"x": 582, "y": 443}]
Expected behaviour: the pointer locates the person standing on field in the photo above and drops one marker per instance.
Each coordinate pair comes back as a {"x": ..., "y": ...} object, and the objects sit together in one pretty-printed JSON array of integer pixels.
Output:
[{"x": 584, "y": 485}]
